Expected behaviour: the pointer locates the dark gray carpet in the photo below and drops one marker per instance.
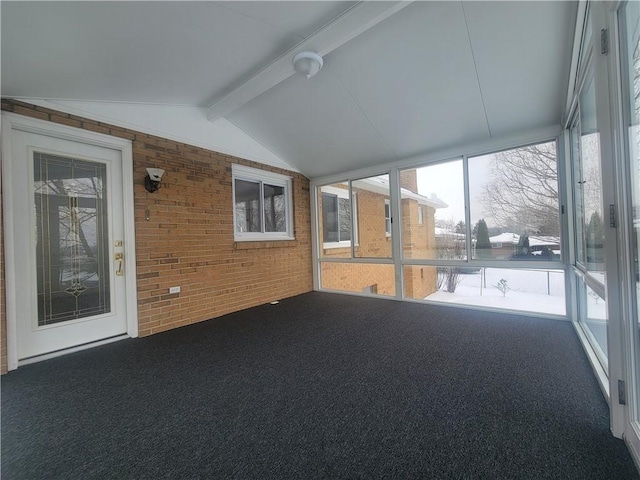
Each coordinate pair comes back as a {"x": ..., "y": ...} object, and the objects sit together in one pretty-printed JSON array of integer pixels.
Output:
[{"x": 319, "y": 386}]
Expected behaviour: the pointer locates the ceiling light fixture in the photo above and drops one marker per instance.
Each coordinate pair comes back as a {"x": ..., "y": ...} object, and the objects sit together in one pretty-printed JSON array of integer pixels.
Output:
[{"x": 307, "y": 63}]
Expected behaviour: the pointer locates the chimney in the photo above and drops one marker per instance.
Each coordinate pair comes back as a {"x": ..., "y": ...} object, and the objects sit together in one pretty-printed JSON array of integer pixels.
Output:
[{"x": 409, "y": 180}]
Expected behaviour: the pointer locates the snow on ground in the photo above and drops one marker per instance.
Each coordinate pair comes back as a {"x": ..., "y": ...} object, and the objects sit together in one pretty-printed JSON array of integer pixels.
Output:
[{"x": 538, "y": 291}]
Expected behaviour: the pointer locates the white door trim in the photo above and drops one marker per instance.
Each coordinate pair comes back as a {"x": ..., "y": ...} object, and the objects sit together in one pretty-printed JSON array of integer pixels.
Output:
[{"x": 14, "y": 122}]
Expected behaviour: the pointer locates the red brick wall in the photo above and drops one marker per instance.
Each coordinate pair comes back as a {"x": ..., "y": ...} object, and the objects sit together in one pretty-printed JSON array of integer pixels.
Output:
[{"x": 188, "y": 240}]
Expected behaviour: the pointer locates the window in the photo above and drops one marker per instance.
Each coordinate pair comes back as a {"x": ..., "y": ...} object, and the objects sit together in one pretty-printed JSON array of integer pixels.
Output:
[
  {"x": 513, "y": 196},
  {"x": 336, "y": 217},
  {"x": 387, "y": 218},
  {"x": 437, "y": 193},
  {"x": 262, "y": 205}
]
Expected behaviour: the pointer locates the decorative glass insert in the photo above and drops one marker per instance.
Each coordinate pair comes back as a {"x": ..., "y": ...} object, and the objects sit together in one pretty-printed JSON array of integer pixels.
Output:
[{"x": 72, "y": 238}]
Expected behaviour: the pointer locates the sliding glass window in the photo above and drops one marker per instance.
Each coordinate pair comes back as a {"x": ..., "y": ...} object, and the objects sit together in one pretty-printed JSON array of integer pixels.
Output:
[
  {"x": 354, "y": 223},
  {"x": 515, "y": 210},
  {"x": 433, "y": 212},
  {"x": 337, "y": 215},
  {"x": 508, "y": 256},
  {"x": 588, "y": 218}
]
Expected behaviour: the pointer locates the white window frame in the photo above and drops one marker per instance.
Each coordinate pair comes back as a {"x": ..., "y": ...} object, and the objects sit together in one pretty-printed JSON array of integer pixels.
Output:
[
  {"x": 342, "y": 193},
  {"x": 420, "y": 215},
  {"x": 240, "y": 172},
  {"x": 387, "y": 217}
]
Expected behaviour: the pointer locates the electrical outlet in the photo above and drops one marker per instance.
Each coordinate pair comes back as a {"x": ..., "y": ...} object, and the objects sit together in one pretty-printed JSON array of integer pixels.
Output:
[{"x": 174, "y": 290}]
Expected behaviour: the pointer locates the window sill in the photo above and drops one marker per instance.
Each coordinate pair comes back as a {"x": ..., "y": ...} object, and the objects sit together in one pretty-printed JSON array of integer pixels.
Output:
[
  {"x": 330, "y": 245},
  {"x": 259, "y": 244}
]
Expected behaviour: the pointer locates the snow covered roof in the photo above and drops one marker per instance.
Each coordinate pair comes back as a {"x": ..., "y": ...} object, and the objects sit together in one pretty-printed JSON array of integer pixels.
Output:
[{"x": 505, "y": 238}]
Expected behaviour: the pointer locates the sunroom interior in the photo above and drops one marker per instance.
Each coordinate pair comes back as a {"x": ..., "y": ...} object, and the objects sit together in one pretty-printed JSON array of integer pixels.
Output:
[{"x": 477, "y": 155}]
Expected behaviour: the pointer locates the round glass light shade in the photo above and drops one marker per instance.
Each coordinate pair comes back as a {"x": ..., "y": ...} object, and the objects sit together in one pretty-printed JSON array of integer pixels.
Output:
[{"x": 307, "y": 63}]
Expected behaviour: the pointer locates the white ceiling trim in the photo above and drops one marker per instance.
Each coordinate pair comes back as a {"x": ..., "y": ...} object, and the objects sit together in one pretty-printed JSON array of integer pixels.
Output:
[
  {"x": 473, "y": 149},
  {"x": 347, "y": 26},
  {"x": 182, "y": 124}
]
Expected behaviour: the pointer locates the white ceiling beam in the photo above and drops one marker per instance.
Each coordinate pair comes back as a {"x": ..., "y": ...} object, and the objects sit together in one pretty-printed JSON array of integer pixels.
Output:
[{"x": 347, "y": 26}]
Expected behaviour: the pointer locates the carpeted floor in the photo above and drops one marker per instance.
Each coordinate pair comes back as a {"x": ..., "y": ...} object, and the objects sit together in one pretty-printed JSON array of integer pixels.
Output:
[{"x": 319, "y": 386}]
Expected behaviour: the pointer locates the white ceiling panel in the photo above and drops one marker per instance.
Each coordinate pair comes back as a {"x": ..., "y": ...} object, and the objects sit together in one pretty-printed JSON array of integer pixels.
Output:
[
  {"x": 150, "y": 52},
  {"x": 426, "y": 78},
  {"x": 413, "y": 76},
  {"x": 316, "y": 123},
  {"x": 522, "y": 55},
  {"x": 298, "y": 18}
]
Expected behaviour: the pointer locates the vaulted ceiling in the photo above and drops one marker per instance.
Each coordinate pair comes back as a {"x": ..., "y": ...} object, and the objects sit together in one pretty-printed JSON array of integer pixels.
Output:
[{"x": 400, "y": 79}]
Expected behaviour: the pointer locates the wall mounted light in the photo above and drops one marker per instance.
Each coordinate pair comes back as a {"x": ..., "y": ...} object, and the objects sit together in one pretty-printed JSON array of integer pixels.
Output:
[
  {"x": 307, "y": 63},
  {"x": 153, "y": 179}
]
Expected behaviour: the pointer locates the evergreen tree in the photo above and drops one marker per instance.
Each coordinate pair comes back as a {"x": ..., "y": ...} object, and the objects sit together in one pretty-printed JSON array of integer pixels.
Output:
[
  {"x": 595, "y": 239},
  {"x": 483, "y": 244}
]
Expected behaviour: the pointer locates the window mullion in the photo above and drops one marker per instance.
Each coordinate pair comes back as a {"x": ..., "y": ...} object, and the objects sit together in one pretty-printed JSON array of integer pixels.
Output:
[
  {"x": 351, "y": 219},
  {"x": 467, "y": 207},
  {"x": 262, "y": 212}
]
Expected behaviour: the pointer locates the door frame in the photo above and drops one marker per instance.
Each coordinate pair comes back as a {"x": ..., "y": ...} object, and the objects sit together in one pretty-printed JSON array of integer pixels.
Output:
[{"x": 14, "y": 122}]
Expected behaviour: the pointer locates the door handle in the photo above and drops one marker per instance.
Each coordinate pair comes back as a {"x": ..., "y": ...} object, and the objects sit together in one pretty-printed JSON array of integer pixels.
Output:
[{"x": 119, "y": 257}]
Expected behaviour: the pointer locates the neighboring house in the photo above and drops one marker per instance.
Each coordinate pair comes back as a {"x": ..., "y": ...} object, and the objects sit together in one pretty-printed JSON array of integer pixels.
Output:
[
  {"x": 504, "y": 246},
  {"x": 372, "y": 237},
  {"x": 507, "y": 245}
]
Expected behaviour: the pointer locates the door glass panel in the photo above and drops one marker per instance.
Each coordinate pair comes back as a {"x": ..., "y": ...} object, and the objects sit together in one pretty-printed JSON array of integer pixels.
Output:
[{"x": 72, "y": 240}]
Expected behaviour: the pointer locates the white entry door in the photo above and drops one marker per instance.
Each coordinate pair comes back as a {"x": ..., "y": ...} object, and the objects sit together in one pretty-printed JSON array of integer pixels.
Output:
[{"x": 68, "y": 243}]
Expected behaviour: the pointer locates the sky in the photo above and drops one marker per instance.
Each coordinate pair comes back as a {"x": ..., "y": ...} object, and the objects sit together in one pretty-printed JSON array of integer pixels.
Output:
[{"x": 447, "y": 182}]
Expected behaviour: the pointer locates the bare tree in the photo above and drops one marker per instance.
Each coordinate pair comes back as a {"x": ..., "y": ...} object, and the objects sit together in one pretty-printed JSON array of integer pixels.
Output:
[{"x": 523, "y": 190}]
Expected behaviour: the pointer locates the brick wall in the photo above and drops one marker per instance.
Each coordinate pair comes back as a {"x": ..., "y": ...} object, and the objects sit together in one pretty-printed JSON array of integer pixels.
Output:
[
  {"x": 188, "y": 239},
  {"x": 356, "y": 277},
  {"x": 373, "y": 242},
  {"x": 418, "y": 242}
]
